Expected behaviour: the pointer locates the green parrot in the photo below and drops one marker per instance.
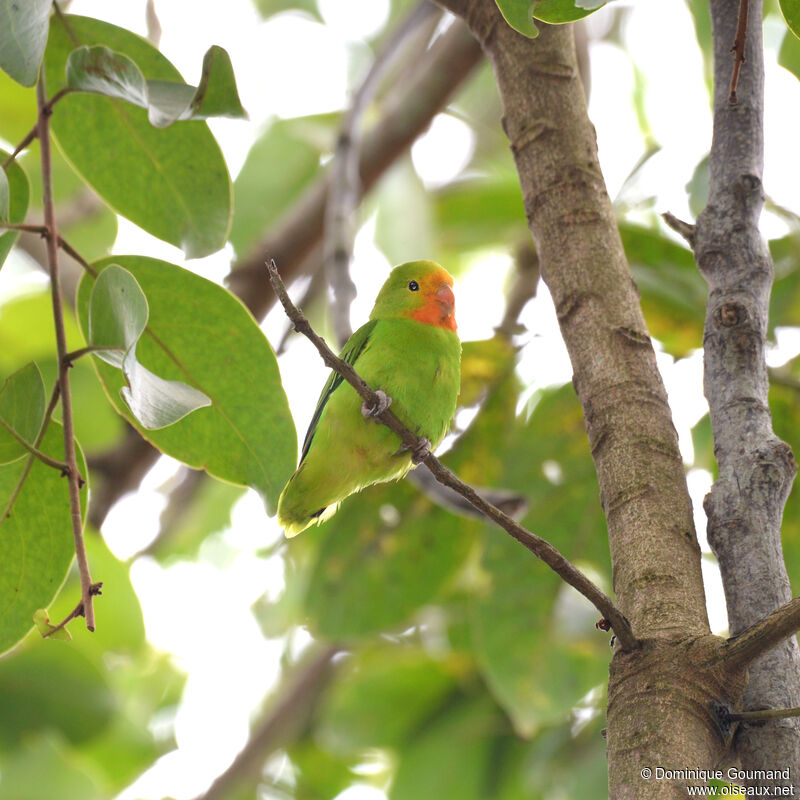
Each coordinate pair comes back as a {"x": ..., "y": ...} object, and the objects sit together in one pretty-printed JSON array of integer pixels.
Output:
[{"x": 409, "y": 351}]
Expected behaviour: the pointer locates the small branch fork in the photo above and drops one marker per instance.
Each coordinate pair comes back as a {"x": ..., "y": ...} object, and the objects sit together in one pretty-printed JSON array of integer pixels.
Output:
[
  {"x": 738, "y": 49},
  {"x": 88, "y": 588},
  {"x": 538, "y": 546}
]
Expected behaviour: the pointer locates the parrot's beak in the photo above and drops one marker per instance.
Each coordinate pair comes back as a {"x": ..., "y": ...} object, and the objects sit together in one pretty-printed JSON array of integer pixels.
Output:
[{"x": 446, "y": 299}]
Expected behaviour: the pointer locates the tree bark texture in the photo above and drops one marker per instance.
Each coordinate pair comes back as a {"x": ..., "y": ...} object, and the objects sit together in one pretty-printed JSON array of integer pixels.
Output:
[
  {"x": 660, "y": 696},
  {"x": 654, "y": 549},
  {"x": 756, "y": 469}
]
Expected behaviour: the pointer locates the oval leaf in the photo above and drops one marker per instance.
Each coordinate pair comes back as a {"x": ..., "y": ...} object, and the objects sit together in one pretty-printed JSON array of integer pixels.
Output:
[
  {"x": 23, "y": 36},
  {"x": 791, "y": 13},
  {"x": 118, "y": 315},
  {"x": 200, "y": 334},
  {"x": 14, "y": 197},
  {"x": 519, "y": 15},
  {"x": 559, "y": 11},
  {"x": 100, "y": 70},
  {"x": 22, "y": 404},
  {"x": 173, "y": 183},
  {"x": 37, "y": 537}
]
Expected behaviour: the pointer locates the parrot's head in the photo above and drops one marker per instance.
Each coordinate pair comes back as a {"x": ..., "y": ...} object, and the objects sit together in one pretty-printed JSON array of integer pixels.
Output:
[{"x": 420, "y": 290}]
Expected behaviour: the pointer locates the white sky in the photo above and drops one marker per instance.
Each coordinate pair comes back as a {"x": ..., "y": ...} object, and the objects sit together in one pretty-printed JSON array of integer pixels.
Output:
[{"x": 278, "y": 74}]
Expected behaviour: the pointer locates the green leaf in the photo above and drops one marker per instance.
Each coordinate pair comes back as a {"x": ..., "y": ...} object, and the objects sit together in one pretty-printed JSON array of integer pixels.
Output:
[
  {"x": 451, "y": 757},
  {"x": 37, "y": 534},
  {"x": 41, "y": 619},
  {"x": 14, "y": 197},
  {"x": 47, "y": 686},
  {"x": 45, "y": 766},
  {"x": 201, "y": 334},
  {"x": 534, "y": 639},
  {"x": 391, "y": 544},
  {"x": 23, "y": 36},
  {"x": 117, "y": 318},
  {"x": 381, "y": 697},
  {"x": 27, "y": 334},
  {"x": 22, "y": 404},
  {"x": 789, "y": 54},
  {"x": 560, "y": 11},
  {"x": 280, "y": 164},
  {"x": 672, "y": 288},
  {"x": 791, "y": 13},
  {"x": 173, "y": 182},
  {"x": 100, "y": 70},
  {"x": 519, "y": 15},
  {"x": 268, "y": 8}
]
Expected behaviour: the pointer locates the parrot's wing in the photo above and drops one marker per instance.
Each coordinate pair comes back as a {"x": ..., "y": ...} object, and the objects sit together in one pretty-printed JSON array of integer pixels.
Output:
[{"x": 353, "y": 348}]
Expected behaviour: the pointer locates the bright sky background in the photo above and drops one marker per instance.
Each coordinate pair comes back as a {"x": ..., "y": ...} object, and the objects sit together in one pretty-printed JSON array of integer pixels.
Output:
[{"x": 279, "y": 73}]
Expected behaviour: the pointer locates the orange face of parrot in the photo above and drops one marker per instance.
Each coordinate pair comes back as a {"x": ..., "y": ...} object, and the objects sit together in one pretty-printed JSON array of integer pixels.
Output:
[{"x": 439, "y": 303}]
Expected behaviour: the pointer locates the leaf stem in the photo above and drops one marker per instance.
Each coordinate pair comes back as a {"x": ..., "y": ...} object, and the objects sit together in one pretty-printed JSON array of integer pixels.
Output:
[
  {"x": 74, "y": 355},
  {"x": 62, "y": 466},
  {"x": 70, "y": 454},
  {"x": 539, "y": 547},
  {"x": 34, "y": 131},
  {"x": 48, "y": 414}
]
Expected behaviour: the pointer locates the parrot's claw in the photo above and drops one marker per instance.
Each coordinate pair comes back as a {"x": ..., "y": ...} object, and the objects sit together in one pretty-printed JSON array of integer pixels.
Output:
[
  {"x": 421, "y": 452},
  {"x": 384, "y": 401}
]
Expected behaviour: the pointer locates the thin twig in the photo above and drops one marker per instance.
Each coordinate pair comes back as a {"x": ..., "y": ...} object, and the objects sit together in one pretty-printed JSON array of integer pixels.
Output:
[
  {"x": 738, "y": 49},
  {"x": 71, "y": 251},
  {"x": 538, "y": 546},
  {"x": 765, "y": 634},
  {"x": 34, "y": 131},
  {"x": 48, "y": 414},
  {"x": 61, "y": 466},
  {"x": 685, "y": 229},
  {"x": 20, "y": 226},
  {"x": 344, "y": 190},
  {"x": 94, "y": 590},
  {"x": 74, "y": 355},
  {"x": 764, "y": 715},
  {"x": 70, "y": 454}
]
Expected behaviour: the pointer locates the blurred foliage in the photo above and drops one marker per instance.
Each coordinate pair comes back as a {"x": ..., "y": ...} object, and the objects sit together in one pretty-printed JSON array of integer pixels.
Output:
[{"x": 470, "y": 671}]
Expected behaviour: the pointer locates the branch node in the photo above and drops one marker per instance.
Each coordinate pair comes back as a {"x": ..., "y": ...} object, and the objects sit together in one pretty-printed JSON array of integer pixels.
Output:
[{"x": 685, "y": 229}]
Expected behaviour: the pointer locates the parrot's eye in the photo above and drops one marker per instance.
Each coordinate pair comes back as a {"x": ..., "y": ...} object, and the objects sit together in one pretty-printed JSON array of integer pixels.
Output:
[{"x": 414, "y": 286}]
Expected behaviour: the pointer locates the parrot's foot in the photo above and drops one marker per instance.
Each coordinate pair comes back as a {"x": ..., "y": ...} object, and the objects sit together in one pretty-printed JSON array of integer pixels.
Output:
[
  {"x": 384, "y": 401},
  {"x": 421, "y": 451}
]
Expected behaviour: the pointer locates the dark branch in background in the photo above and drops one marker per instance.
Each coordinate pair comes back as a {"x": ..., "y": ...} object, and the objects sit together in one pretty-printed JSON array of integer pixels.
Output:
[
  {"x": 344, "y": 191},
  {"x": 88, "y": 589},
  {"x": 753, "y": 642},
  {"x": 282, "y": 724},
  {"x": 118, "y": 472},
  {"x": 538, "y": 546},
  {"x": 441, "y": 70},
  {"x": 738, "y": 49}
]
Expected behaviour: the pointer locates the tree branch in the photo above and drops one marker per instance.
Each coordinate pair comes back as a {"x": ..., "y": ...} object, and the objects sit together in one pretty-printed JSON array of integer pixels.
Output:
[
  {"x": 538, "y": 546},
  {"x": 441, "y": 70},
  {"x": 344, "y": 190},
  {"x": 280, "y": 725},
  {"x": 70, "y": 455},
  {"x": 62, "y": 466},
  {"x": 756, "y": 469},
  {"x": 753, "y": 642}
]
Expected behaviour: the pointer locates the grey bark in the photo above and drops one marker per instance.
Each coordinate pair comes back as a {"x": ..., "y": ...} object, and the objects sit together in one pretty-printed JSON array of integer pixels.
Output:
[{"x": 756, "y": 469}]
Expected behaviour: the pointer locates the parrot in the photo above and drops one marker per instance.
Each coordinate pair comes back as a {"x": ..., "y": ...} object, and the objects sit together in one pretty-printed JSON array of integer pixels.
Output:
[{"x": 409, "y": 351}]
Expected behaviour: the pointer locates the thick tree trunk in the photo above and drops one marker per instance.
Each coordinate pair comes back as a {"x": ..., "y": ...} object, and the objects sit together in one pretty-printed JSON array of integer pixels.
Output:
[{"x": 756, "y": 469}]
